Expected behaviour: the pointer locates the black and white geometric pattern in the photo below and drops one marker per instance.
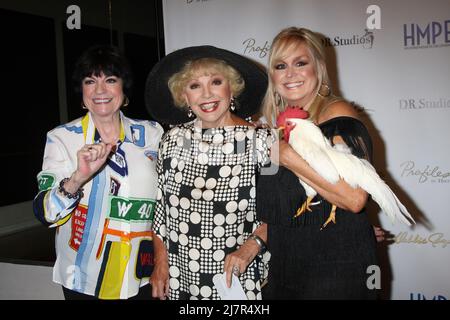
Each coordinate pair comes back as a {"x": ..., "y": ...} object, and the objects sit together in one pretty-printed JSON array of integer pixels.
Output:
[{"x": 206, "y": 204}]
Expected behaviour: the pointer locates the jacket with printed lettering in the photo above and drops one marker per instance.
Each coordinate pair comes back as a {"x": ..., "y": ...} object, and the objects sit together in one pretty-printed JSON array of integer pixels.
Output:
[{"x": 103, "y": 240}]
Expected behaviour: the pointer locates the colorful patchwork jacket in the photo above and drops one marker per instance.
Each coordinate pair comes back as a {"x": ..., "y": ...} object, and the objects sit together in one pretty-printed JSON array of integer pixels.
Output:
[{"x": 103, "y": 240}]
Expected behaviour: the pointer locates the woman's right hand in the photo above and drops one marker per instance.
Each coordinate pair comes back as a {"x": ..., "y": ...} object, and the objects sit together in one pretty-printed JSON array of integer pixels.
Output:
[
  {"x": 91, "y": 157},
  {"x": 379, "y": 233}
]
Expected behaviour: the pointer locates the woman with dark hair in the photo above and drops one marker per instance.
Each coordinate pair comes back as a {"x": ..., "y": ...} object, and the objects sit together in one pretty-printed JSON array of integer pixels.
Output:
[{"x": 98, "y": 187}]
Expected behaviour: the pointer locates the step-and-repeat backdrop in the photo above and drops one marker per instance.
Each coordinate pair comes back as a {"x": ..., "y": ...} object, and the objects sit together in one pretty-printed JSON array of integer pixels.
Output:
[{"x": 393, "y": 59}]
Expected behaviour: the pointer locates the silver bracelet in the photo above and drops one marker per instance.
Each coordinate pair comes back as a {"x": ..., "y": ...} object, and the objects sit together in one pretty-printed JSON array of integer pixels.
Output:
[{"x": 262, "y": 245}]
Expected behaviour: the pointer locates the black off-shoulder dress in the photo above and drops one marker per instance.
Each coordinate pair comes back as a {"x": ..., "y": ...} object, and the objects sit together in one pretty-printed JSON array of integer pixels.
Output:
[{"x": 306, "y": 262}]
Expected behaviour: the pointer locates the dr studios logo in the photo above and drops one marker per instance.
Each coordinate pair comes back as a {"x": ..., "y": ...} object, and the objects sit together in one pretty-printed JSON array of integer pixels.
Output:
[
  {"x": 366, "y": 39},
  {"x": 423, "y": 103}
]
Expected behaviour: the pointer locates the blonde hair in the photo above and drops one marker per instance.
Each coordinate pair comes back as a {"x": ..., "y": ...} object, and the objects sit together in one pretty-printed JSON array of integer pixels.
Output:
[
  {"x": 285, "y": 41},
  {"x": 203, "y": 66}
]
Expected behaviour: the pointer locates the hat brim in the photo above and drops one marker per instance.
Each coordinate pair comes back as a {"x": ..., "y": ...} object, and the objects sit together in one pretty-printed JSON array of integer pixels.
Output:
[{"x": 159, "y": 101}]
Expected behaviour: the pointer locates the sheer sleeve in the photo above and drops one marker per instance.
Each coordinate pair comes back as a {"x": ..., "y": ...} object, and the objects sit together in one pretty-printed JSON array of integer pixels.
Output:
[{"x": 353, "y": 132}]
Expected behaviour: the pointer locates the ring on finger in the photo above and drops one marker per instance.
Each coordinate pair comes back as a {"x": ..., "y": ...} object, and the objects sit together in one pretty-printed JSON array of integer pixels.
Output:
[{"x": 236, "y": 271}]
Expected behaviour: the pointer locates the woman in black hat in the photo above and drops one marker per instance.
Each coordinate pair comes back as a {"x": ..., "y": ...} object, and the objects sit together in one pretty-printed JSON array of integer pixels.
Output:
[{"x": 205, "y": 218}]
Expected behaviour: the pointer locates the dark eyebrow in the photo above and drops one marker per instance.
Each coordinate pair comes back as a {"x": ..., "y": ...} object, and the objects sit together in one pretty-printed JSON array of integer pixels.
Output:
[{"x": 282, "y": 60}]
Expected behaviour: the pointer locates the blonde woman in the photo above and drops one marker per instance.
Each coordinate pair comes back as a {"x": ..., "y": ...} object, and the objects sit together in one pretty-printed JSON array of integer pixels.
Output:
[
  {"x": 205, "y": 219},
  {"x": 307, "y": 262}
]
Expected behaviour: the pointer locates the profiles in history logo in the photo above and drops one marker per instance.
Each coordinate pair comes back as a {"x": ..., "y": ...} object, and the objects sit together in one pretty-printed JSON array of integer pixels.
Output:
[
  {"x": 424, "y": 173},
  {"x": 252, "y": 47}
]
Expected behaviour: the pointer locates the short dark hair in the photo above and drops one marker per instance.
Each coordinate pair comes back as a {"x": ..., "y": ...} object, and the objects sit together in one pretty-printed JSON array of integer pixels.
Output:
[{"x": 104, "y": 59}]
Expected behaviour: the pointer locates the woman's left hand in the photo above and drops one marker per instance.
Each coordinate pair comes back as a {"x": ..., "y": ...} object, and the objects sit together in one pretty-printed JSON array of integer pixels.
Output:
[
  {"x": 238, "y": 261},
  {"x": 379, "y": 234}
]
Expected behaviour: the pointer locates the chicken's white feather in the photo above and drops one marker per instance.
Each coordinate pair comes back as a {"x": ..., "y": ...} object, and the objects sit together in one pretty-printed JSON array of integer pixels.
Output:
[
  {"x": 313, "y": 154},
  {"x": 337, "y": 162}
]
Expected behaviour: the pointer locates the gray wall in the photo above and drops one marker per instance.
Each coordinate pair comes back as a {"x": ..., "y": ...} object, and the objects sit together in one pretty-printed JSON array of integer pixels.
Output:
[{"x": 133, "y": 16}]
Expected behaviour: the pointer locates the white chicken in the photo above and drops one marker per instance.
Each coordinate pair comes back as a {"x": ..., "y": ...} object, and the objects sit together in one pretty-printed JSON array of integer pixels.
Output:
[{"x": 333, "y": 163}]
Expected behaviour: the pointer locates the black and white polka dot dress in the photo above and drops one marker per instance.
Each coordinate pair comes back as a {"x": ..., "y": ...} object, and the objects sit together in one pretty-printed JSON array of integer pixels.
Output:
[{"x": 206, "y": 206}]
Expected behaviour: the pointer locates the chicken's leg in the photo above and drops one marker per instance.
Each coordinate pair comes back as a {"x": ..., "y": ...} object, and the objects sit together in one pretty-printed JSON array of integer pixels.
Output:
[
  {"x": 331, "y": 217},
  {"x": 304, "y": 207}
]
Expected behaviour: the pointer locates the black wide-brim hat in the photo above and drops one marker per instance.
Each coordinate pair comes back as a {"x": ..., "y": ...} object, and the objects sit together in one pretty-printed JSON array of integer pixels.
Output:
[{"x": 158, "y": 98}]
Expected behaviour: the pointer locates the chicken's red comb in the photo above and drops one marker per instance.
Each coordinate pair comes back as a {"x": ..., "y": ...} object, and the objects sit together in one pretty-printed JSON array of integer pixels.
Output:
[{"x": 291, "y": 112}]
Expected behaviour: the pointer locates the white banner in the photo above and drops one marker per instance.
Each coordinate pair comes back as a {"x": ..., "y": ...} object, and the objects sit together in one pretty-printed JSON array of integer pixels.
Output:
[{"x": 392, "y": 58}]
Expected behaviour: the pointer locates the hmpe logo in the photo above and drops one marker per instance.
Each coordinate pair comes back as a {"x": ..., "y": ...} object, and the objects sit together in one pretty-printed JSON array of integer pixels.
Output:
[
  {"x": 433, "y": 34},
  {"x": 421, "y": 296}
]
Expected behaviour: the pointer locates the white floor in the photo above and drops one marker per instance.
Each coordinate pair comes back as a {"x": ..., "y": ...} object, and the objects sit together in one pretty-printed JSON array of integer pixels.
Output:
[{"x": 28, "y": 282}]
